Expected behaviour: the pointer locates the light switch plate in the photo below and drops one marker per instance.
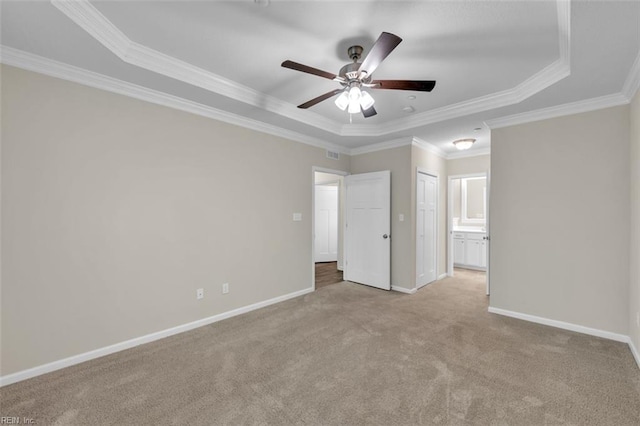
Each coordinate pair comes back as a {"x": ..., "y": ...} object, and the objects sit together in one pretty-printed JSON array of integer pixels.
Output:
[
  {"x": 297, "y": 217},
  {"x": 401, "y": 217}
]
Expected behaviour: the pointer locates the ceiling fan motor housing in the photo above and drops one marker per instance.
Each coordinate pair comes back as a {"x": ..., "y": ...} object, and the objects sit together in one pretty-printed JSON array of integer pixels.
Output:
[{"x": 350, "y": 71}]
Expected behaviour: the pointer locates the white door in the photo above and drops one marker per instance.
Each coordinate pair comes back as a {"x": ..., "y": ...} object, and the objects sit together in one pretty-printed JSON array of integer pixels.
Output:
[
  {"x": 326, "y": 218},
  {"x": 487, "y": 238},
  {"x": 426, "y": 228},
  {"x": 368, "y": 229}
]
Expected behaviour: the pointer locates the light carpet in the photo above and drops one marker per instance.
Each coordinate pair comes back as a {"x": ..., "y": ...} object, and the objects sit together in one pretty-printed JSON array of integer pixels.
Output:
[{"x": 350, "y": 355}]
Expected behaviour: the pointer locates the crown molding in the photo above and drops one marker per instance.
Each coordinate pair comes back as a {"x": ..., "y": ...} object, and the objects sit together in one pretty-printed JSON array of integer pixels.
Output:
[
  {"x": 90, "y": 19},
  {"x": 469, "y": 153},
  {"x": 39, "y": 64},
  {"x": 419, "y": 143},
  {"x": 558, "y": 70},
  {"x": 395, "y": 143},
  {"x": 559, "y": 111},
  {"x": 422, "y": 144},
  {"x": 105, "y": 32},
  {"x": 632, "y": 83}
]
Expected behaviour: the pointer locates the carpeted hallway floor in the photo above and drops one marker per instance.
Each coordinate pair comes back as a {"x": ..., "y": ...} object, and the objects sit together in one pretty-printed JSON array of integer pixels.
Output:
[{"x": 350, "y": 355}]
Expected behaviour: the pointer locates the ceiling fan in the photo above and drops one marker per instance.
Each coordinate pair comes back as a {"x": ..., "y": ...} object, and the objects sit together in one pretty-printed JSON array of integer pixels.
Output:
[{"x": 357, "y": 75}]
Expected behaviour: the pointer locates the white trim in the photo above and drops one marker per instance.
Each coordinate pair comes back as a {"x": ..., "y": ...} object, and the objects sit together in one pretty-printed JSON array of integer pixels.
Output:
[
  {"x": 561, "y": 324},
  {"x": 396, "y": 143},
  {"x": 428, "y": 147},
  {"x": 85, "y": 15},
  {"x": 442, "y": 276},
  {"x": 544, "y": 78},
  {"x": 559, "y": 111},
  {"x": 90, "y": 19},
  {"x": 450, "y": 225},
  {"x": 469, "y": 153},
  {"x": 403, "y": 289},
  {"x": 97, "y": 353},
  {"x": 470, "y": 267},
  {"x": 381, "y": 146},
  {"x": 634, "y": 352},
  {"x": 632, "y": 83},
  {"x": 31, "y": 62}
]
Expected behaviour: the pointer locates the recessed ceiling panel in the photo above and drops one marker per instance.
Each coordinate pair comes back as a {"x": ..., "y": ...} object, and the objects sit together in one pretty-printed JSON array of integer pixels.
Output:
[{"x": 471, "y": 48}]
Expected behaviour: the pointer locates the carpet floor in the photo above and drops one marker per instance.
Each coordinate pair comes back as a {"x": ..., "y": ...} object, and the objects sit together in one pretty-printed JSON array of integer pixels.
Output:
[{"x": 350, "y": 355}]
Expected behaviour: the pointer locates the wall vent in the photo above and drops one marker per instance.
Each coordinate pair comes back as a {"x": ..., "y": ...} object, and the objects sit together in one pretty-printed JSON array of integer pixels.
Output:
[{"x": 333, "y": 154}]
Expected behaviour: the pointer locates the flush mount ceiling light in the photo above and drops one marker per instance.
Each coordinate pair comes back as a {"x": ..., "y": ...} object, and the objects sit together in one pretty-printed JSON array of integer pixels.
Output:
[{"x": 463, "y": 144}]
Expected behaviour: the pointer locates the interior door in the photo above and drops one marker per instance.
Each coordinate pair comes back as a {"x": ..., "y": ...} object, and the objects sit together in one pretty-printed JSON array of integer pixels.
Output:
[
  {"x": 487, "y": 238},
  {"x": 368, "y": 229},
  {"x": 326, "y": 218},
  {"x": 426, "y": 228}
]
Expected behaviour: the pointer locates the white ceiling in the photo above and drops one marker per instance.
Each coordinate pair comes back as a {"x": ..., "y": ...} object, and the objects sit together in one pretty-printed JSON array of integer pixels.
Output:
[{"x": 491, "y": 59}]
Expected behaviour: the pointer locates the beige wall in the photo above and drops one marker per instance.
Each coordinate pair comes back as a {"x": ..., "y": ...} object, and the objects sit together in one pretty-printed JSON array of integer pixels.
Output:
[
  {"x": 548, "y": 257},
  {"x": 468, "y": 165},
  {"x": 398, "y": 161},
  {"x": 114, "y": 211},
  {"x": 634, "y": 289},
  {"x": 436, "y": 165}
]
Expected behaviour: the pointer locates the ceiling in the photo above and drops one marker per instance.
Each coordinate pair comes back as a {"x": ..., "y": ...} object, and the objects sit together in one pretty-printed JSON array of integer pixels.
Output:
[{"x": 491, "y": 60}]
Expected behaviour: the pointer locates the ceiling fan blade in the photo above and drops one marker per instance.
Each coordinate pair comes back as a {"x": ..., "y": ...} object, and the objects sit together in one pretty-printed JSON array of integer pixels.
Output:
[
  {"x": 319, "y": 99},
  {"x": 417, "y": 85},
  {"x": 309, "y": 70},
  {"x": 369, "y": 112},
  {"x": 380, "y": 50}
]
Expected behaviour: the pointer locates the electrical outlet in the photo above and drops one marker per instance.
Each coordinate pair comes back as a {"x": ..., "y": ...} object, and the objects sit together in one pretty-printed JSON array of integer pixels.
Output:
[
  {"x": 225, "y": 288},
  {"x": 200, "y": 293}
]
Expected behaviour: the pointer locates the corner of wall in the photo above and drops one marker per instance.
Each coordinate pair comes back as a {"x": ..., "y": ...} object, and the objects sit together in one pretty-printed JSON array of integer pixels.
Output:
[{"x": 634, "y": 246}]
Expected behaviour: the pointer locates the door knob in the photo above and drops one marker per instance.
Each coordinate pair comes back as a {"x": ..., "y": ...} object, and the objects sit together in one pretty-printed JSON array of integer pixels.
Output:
[{"x": 385, "y": 236}]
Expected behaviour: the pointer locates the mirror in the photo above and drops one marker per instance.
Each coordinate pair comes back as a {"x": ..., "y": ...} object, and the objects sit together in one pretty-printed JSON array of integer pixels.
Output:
[{"x": 469, "y": 201}]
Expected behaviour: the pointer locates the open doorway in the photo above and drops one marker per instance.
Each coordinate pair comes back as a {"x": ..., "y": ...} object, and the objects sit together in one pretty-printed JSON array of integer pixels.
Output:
[
  {"x": 468, "y": 222},
  {"x": 327, "y": 227}
]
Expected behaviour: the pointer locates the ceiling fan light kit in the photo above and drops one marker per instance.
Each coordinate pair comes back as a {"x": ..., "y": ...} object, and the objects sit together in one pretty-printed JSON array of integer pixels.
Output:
[
  {"x": 357, "y": 75},
  {"x": 463, "y": 144}
]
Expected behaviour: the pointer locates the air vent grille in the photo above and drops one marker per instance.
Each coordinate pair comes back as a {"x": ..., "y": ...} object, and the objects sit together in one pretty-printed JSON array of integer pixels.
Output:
[{"x": 334, "y": 155}]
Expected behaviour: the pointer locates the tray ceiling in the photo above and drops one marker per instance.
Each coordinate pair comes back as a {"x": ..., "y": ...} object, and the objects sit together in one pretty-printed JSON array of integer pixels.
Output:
[{"x": 490, "y": 59}]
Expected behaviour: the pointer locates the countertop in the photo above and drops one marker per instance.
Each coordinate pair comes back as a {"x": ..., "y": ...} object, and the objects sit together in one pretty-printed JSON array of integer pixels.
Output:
[{"x": 474, "y": 229}]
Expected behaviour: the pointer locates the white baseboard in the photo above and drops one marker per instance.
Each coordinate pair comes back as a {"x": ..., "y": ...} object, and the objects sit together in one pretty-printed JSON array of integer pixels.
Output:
[
  {"x": 634, "y": 352},
  {"x": 97, "y": 353},
  {"x": 442, "y": 276},
  {"x": 561, "y": 324},
  {"x": 403, "y": 289}
]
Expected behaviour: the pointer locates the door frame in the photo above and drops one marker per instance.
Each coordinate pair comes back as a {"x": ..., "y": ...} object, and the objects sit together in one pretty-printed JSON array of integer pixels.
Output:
[
  {"x": 341, "y": 173},
  {"x": 435, "y": 175},
  {"x": 450, "y": 220}
]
